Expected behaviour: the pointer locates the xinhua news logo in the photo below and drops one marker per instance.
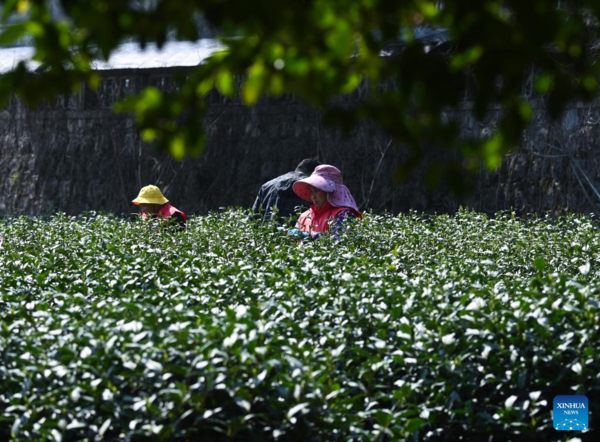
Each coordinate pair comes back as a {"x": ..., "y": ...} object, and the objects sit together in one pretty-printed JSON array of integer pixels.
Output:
[{"x": 570, "y": 413}]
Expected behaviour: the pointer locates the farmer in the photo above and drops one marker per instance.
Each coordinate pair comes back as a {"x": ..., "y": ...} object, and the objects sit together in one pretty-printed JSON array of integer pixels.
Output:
[
  {"x": 333, "y": 207},
  {"x": 154, "y": 204},
  {"x": 278, "y": 192}
]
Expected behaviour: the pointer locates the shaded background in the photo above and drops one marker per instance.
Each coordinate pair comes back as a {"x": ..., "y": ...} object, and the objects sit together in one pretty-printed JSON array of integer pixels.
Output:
[{"x": 76, "y": 155}]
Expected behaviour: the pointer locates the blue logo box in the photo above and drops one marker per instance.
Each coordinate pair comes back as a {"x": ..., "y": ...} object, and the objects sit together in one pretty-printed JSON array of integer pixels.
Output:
[{"x": 570, "y": 413}]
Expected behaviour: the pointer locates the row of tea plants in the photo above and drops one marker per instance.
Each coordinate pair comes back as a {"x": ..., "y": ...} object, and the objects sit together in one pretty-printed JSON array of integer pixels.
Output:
[{"x": 412, "y": 327}]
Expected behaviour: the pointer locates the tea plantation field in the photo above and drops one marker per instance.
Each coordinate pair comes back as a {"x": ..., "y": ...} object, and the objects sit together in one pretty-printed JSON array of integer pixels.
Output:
[{"x": 413, "y": 328}]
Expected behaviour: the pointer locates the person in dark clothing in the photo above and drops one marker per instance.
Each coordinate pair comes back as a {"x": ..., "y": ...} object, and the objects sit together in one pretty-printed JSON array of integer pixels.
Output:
[{"x": 279, "y": 192}]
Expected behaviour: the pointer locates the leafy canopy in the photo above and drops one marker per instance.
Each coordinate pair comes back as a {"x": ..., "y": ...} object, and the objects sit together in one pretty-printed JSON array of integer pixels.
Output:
[{"x": 321, "y": 49}]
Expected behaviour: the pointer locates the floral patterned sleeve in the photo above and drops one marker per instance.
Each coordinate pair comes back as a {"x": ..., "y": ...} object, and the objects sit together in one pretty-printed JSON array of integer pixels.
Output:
[{"x": 340, "y": 224}]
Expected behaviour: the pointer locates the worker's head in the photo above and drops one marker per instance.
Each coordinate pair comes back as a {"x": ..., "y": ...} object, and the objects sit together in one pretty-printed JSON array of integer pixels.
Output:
[
  {"x": 150, "y": 199},
  {"x": 307, "y": 166},
  {"x": 151, "y": 209},
  {"x": 318, "y": 196},
  {"x": 325, "y": 184}
]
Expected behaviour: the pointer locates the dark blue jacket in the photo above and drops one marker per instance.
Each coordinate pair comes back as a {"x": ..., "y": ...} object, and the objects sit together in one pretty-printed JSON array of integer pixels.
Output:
[{"x": 279, "y": 193}]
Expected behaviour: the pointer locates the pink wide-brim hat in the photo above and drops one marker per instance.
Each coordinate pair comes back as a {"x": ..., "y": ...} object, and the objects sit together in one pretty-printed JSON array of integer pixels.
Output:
[{"x": 328, "y": 179}]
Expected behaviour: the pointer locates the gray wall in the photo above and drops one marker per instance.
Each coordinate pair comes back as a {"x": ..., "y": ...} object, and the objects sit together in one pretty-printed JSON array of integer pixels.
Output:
[{"x": 76, "y": 155}]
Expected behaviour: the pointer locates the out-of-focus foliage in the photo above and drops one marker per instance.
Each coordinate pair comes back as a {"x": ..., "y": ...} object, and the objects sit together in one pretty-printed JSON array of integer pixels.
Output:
[
  {"x": 321, "y": 49},
  {"x": 411, "y": 328}
]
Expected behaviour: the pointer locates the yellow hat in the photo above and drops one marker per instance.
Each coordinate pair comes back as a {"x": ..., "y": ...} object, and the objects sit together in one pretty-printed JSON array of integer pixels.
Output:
[{"x": 150, "y": 195}]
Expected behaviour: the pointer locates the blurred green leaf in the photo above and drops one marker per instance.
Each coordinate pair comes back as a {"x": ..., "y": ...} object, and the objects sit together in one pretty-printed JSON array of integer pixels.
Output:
[
  {"x": 254, "y": 84},
  {"x": 13, "y": 33}
]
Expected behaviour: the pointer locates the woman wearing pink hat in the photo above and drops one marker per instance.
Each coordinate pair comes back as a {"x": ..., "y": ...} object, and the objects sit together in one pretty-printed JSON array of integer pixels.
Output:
[{"x": 333, "y": 204}]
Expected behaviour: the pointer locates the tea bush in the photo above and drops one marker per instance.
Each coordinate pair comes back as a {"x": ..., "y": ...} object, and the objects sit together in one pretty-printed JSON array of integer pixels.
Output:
[{"x": 418, "y": 328}]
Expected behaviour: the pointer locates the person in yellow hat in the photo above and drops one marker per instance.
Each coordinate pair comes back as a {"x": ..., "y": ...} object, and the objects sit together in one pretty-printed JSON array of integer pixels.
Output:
[{"x": 154, "y": 204}]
